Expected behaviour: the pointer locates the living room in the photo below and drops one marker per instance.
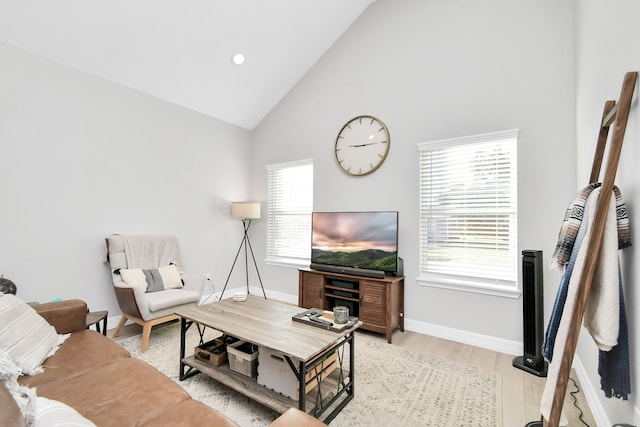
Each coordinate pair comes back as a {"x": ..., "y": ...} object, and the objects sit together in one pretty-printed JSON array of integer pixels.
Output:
[{"x": 85, "y": 157}]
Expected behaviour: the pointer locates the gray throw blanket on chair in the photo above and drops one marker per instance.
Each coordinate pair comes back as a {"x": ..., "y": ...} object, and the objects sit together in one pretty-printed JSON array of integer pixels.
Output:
[{"x": 151, "y": 251}]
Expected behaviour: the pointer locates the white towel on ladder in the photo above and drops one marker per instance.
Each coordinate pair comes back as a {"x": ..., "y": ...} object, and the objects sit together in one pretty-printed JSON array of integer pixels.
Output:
[{"x": 602, "y": 311}]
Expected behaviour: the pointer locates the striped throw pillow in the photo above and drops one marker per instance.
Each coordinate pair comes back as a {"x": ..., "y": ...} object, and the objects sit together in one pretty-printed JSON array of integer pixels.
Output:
[
  {"x": 153, "y": 280},
  {"x": 52, "y": 413},
  {"x": 25, "y": 335}
]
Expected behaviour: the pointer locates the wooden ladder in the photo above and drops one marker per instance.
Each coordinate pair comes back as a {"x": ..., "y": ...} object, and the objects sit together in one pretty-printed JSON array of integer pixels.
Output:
[{"x": 617, "y": 113}]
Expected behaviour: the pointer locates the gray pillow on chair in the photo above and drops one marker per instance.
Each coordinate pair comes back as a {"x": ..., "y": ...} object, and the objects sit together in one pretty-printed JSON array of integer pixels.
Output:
[{"x": 153, "y": 280}]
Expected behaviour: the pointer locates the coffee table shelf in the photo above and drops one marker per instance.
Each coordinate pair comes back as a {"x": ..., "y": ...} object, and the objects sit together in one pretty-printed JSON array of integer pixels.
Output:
[{"x": 249, "y": 386}]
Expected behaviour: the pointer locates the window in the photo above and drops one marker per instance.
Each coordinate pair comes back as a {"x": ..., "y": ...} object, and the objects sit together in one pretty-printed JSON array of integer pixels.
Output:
[
  {"x": 289, "y": 207},
  {"x": 468, "y": 213}
]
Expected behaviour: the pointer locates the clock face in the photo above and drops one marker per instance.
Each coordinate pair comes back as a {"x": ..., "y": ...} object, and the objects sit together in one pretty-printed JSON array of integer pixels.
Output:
[{"x": 362, "y": 145}]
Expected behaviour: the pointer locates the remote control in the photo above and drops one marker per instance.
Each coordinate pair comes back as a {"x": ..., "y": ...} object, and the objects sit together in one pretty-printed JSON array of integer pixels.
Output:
[{"x": 316, "y": 318}]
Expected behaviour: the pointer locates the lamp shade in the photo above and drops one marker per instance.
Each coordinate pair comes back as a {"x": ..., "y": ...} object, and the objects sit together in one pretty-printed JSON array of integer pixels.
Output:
[{"x": 249, "y": 210}]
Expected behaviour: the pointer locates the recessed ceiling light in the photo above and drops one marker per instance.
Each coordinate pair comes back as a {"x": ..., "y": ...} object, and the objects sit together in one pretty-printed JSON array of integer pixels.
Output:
[{"x": 238, "y": 59}]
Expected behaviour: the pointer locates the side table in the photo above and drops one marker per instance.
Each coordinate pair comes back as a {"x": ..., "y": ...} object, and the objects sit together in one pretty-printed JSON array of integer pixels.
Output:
[{"x": 94, "y": 318}]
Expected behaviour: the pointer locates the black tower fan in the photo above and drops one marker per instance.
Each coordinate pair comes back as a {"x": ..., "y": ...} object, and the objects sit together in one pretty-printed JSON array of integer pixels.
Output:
[{"x": 532, "y": 308}]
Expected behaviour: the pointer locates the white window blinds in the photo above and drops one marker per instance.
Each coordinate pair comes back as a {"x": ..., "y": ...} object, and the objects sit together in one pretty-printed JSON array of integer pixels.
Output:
[
  {"x": 468, "y": 210},
  {"x": 290, "y": 203}
]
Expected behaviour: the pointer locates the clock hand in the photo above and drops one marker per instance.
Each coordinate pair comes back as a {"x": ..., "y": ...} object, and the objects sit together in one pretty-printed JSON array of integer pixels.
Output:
[{"x": 364, "y": 145}]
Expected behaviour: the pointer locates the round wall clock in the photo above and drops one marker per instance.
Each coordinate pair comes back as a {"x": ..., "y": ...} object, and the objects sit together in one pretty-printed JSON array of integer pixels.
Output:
[{"x": 362, "y": 145}]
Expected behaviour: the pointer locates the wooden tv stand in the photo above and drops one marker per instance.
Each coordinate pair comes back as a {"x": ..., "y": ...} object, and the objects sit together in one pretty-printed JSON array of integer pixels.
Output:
[{"x": 378, "y": 303}]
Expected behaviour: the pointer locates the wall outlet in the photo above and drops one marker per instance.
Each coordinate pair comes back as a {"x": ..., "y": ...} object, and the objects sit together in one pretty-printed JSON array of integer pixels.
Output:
[{"x": 208, "y": 282}]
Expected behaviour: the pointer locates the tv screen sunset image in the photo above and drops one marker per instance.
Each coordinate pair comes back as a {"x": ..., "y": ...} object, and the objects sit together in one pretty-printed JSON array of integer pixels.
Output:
[{"x": 355, "y": 239}]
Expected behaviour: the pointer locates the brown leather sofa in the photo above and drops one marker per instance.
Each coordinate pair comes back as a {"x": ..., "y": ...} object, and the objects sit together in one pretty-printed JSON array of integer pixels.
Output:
[{"x": 100, "y": 380}]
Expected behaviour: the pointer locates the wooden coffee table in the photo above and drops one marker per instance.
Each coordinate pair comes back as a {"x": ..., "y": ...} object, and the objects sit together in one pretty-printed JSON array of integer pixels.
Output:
[{"x": 268, "y": 323}]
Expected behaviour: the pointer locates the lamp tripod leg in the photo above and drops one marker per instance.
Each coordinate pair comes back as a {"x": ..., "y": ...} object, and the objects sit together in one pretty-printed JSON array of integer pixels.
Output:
[
  {"x": 246, "y": 223},
  {"x": 234, "y": 264},
  {"x": 256, "y": 265},
  {"x": 246, "y": 258}
]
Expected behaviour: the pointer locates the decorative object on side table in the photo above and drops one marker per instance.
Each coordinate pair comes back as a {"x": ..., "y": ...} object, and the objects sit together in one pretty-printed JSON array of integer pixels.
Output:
[
  {"x": 7, "y": 286},
  {"x": 246, "y": 211}
]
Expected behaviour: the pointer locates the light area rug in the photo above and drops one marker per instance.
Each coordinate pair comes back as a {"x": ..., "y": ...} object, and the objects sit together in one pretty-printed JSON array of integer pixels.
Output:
[{"x": 394, "y": 386}]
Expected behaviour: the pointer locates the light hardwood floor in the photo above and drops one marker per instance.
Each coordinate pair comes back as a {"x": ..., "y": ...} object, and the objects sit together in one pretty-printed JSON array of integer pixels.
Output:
[{"x": 521, "y": 391}]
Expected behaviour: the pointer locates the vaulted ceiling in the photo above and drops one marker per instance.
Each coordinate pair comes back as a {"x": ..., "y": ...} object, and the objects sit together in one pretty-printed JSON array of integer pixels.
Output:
[{"x": 181, "y": 51}]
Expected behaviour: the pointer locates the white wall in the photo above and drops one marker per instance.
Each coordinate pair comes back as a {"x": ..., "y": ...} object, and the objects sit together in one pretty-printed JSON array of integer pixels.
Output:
[
  {"x": 83, "y": 158},
  {"x": 432, "y": 70},
  {"x": 607, "y": 46}
]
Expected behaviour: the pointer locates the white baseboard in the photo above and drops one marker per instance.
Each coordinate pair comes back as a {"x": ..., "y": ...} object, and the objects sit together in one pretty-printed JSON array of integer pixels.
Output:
[{"x": 471, "y": 338}]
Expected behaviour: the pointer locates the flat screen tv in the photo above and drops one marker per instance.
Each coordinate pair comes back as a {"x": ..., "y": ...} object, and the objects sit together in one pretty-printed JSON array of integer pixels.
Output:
[{"x": 366, "y": 241}]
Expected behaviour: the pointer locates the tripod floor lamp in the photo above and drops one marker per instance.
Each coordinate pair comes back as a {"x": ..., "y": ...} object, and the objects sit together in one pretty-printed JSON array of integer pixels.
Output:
[{"x": 246, "y": 211}]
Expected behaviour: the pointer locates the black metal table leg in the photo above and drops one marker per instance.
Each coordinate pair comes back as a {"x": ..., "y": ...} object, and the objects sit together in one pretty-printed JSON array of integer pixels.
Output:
[
  {"x": 184, "y": 327},
  {"x": 343, "y": 388}
]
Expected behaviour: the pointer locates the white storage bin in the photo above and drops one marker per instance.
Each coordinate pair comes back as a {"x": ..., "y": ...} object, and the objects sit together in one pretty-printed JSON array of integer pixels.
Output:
[
  {"x": 275, "y": 373},
  {"x": 243, "y": 358}
]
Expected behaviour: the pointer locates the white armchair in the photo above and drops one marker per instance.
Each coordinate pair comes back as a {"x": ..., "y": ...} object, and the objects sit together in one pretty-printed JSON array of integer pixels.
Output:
[{"x": 148, "y": 281}]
